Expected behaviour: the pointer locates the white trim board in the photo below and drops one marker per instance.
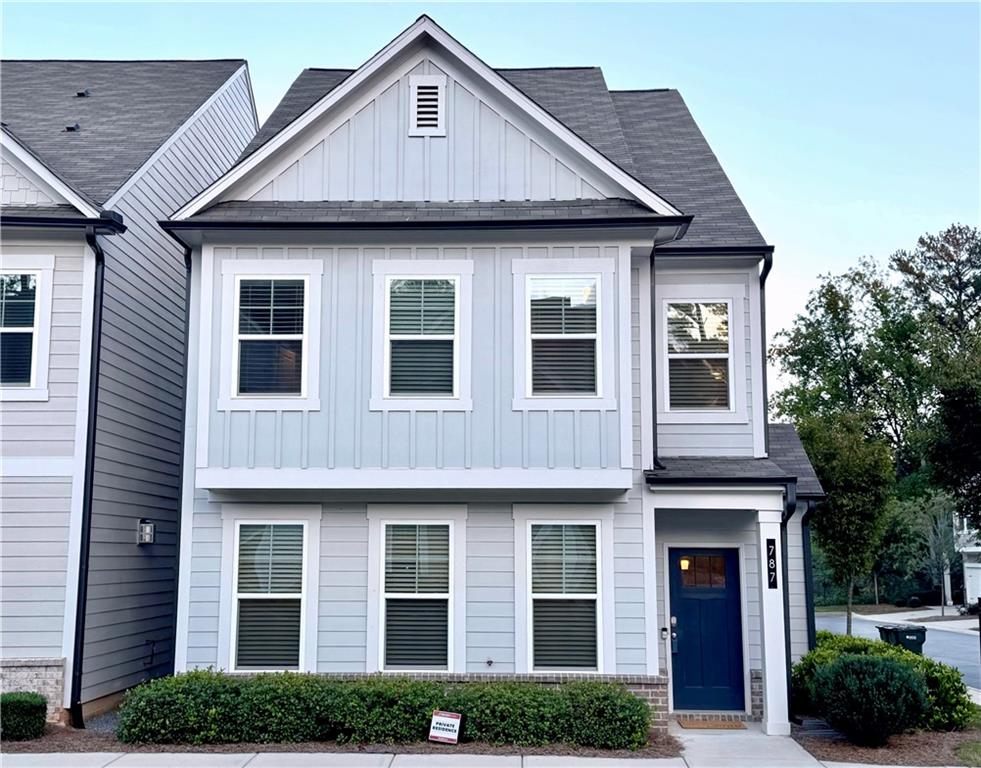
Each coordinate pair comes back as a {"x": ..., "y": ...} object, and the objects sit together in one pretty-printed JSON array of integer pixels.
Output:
[{"x": 422, "y": 30}]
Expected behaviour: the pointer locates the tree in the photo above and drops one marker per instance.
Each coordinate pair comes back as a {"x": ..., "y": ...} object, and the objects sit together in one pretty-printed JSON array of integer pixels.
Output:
[
  {"x": 940, "y": 542},
  {"x": 955, "y": 449},
  {"x": 901, "y": 548},
  {"x": 857, "y": 475}
]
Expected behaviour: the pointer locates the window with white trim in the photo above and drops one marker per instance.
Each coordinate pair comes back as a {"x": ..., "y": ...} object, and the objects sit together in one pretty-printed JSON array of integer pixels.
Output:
[
  {"x": 416, "y": 596},
  {"x": 563, "y": 335},
  {"x": 564, "y": 596},
  {"x": 698, "y": 355},
  {"x": 270, "y": 344},
  {"x": 421, "y": 342},
  {"x": 268, "y": 596},
  {"x": 19, "y": 321}
]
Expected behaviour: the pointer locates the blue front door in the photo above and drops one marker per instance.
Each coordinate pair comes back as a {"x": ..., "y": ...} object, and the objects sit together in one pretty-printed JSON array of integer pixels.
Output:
[{"x": 707, "y": 644}]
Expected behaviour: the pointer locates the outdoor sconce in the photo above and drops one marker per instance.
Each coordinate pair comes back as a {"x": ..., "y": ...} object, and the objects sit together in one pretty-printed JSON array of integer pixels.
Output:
[
  {"x": 684, "y": 563},
  {"x": 146, "y": 532}
]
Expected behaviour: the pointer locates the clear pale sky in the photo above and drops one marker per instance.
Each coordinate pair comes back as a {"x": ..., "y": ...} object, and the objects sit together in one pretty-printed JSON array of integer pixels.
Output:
[{"x": 848, "y": 129}]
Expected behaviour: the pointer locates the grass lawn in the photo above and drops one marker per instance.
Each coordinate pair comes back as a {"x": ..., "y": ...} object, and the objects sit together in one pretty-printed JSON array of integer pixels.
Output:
[{"x": 865, "y": 610}]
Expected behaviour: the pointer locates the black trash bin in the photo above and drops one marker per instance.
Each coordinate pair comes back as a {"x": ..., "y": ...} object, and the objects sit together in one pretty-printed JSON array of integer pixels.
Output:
[{"x": 908, "y": 636}]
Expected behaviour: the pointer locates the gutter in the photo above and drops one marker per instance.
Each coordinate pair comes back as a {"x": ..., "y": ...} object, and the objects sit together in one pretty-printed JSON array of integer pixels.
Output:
[
  {"x": 764, "y": 273},
  {"x": 616, "y": 222},
  {"x": 652, "y": 478},
  {"x": 108, "y": 223},
  {"x": 805, "y": 523},
  {"x": 790, "y": 508},
  {"x": 87, "y": 488}
]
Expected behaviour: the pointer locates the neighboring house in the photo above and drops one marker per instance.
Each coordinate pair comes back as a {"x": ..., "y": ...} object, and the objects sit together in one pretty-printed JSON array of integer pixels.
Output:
[
  {"x": 968, "y": 545},
  {"x": 92, "y": 328},
  {"x": 477, "y": 385}
]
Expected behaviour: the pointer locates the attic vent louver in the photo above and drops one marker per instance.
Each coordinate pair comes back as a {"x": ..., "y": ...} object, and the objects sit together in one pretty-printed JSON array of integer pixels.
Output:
[
  {"x": 82, "y": 94},
  {"x": 73, "y": 128},
  {"x": 427, "y": 105}
]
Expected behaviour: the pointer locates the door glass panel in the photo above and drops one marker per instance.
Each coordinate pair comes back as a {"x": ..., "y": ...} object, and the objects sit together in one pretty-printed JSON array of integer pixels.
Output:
[
  {"x": 703, "y": 574},
  {"x": 703, "y": 571}
]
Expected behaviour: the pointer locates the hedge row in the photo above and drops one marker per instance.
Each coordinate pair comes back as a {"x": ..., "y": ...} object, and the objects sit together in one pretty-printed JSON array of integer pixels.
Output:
[
  {"x": 206, "y": 707},
  {"x": 949, "y": 708},
  {"x": 22, "y": 716}
]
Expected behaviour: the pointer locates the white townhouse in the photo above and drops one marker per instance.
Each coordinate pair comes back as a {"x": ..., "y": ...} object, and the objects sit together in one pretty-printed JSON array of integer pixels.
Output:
[{"x": 477, "y": 387}]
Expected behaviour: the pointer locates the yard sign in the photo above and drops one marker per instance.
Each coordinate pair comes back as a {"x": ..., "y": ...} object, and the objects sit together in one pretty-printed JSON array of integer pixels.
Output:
[{"x": 445, "y": 727}]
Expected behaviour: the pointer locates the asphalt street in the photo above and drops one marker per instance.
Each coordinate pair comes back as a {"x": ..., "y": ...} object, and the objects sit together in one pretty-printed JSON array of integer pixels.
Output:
[{"x": 953, "y": 648}]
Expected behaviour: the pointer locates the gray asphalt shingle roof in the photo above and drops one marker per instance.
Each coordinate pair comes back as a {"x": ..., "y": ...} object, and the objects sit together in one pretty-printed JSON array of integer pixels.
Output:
[
  {"x": 131, "y": 109},
  {"x": 649, "y": 134},
  {"x": 334, "y": 212},
  {"x": 42, "y": 211},
  {"x": 787, "y": 459}
]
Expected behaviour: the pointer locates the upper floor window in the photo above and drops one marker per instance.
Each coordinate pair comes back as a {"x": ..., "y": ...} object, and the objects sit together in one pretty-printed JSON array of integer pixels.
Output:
[
  {"x": 270, "y": 341},
  {"x": 421, "y": 343},
  {"x": 270, "y": 336},
  {"x": 18, "y": 328},
  {"x": 422, "y": 319},
  {"x": 26, "y": 291},
  {"x": 563, "y": 334},
  {"x": 698, "y": 355}
]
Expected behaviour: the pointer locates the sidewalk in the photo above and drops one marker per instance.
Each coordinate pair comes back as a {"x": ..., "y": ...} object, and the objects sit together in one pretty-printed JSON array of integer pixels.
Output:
[
  {"x": 703, "y": 749},
  {"x": 964, "y": 625}
]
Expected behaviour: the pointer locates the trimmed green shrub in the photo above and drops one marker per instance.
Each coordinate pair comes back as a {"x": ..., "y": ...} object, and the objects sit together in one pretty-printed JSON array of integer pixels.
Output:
[
  {"x": 22, "y": 716},
  {"x": 606, "y": 716},
  {"x": 206, "y": 707},
  {"x": 869, "y": 698},
  {"x": 949, "y": 707}
]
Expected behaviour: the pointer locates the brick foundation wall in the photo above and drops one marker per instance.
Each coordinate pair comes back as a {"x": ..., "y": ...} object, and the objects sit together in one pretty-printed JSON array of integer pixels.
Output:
[
  {"x": 756, "y": 693},
  {"x": 44, "y": 676}
]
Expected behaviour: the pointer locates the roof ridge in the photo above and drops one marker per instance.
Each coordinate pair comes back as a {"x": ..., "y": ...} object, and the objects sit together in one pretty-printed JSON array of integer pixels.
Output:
[
  {"x": 117, "y": 61},
  {"x": 542, "y": 69},
  {"x": 643, "y": 90},
  {"x": 328, "y": 69}
]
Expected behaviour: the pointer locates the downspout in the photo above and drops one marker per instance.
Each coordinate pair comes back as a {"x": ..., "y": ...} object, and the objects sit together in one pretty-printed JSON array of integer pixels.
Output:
[
  {"x": 790, "y": 508},
  {"x": 87, "y": 490},
  {"x": 764, "y": 273},
  {"x": 805, "y": 530}
]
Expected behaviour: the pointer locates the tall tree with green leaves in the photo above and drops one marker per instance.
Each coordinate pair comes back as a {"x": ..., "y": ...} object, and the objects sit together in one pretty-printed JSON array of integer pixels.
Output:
[
  {"x": 936, "y": 514},
  {"x": 857, "y": 474}
]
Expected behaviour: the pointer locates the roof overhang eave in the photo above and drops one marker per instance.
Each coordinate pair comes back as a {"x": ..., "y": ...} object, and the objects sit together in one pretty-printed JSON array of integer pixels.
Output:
[{"x": 109, "y": 223}]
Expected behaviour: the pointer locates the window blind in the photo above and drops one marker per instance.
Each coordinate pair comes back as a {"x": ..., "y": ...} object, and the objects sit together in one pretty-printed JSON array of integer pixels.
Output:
[
  {"x": 270, "y": 562},
  {"x": 563, "y": 334},
  {"x": 563, "y": 562},
  {"x": 698, "y": 355},
  {"x": 18, "y": 297},
  {"x": 417, "y": 562},
  {"x": 422, "y": 327},
  {"x": 270, "y": 331}
]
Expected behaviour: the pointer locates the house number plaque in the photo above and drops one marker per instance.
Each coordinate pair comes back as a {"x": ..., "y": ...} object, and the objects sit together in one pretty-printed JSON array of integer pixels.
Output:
[{"x": 771, "y": 563}]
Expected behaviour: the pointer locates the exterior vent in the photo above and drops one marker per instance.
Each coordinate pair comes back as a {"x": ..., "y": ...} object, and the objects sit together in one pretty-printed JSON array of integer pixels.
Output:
[
  {"x": 82, "y": 94},
  {"x": 427, "y": 102},
  {"x": 73, "y": 128}
]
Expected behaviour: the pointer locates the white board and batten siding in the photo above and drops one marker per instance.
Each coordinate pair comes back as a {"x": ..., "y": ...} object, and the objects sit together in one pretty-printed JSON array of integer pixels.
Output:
[
  {"x": 130, "y": 608},
  {"x": 490, "y": 151}
]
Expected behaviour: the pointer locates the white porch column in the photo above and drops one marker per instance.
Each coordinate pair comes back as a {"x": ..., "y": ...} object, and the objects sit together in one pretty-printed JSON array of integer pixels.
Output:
[{"x": 775, "y": 715}]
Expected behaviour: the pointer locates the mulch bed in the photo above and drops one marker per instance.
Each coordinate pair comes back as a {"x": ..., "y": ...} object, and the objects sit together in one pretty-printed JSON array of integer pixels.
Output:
[
  {"x": 64, "y": 739},
  {"x": 921, "y": 748}
]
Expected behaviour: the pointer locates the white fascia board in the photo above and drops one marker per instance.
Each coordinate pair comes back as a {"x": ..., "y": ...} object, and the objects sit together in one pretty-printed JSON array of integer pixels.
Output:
[
  {"x": 426, "y": 26},
  {"x": 414, "y": 479},
  {"x": 46, "y": 175},
  {"x": 181, "y": 130}
]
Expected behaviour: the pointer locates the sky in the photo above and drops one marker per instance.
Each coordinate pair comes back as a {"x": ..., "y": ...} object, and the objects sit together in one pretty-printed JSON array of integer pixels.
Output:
[{"x": 848, "y": 129}]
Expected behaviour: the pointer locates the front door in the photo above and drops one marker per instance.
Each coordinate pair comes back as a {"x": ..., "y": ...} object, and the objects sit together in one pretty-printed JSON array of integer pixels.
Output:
[{"x": 706, "y": 627}]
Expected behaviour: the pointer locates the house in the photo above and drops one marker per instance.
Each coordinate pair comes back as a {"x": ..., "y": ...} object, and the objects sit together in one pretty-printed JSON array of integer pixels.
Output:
[
  {"x": 92, "y": 309},
  {"x": 477, "y": 388}
]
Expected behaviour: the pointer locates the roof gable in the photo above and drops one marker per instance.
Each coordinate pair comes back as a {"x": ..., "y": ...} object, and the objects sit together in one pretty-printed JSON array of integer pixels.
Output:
[
  {"x": 427, "y": 46},
  {"x": 29, "y": 182},
  {"x": 130, "y": 110}
]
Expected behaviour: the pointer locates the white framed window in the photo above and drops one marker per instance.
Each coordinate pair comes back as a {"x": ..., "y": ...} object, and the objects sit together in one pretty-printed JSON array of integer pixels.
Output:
[
  {"x": 427, "y": 105},
  {"x": 564, "y": 587},
  {"x": 701, "y": 371},
  {"x": 25, "y": 326},
  {"x": 269, "y": 587},
  {"x": 417, "y": 582},
  {"x": 422, "y": 319},
  {"x": 270, "y": 335},
  {"x": 564, "y": 334}
]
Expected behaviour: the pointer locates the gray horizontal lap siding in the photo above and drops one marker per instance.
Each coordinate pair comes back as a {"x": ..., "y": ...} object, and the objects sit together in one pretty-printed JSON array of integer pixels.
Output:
[{"x": 129, "y": 618}]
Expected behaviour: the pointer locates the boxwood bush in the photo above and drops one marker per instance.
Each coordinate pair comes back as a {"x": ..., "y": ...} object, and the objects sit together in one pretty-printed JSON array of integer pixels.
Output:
[
  {"x": 869, "y": 698},
  {"x": 948, "y": 708},
  {"x": 22, "y": 715},
  {"x": 206, "y": 707}
]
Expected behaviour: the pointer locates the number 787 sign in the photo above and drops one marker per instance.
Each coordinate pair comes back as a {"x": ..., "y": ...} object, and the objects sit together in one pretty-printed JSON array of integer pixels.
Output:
[{"x": 771, "y": 563}]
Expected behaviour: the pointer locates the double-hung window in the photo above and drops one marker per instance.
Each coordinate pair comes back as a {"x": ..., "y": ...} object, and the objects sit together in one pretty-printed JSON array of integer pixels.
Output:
[
  {"x": 563, "y": 344},
  {"x": 698, "y": 355},
  {"x": 564, "y": 596},
  {"x": 417, "y": 595},
  {"x": 270, "y": 336},
  {"x": 268, "y": 596},
  {"x": 19, "y": 316},
  {"x": 421, "y": 346}
]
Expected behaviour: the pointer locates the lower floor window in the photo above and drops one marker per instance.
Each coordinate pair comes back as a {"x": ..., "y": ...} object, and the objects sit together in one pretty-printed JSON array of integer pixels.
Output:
[
  {"x": 564, "y": 596},
  {"x": 268, "y": 596},
  {"x": 417, "y": 596}
]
